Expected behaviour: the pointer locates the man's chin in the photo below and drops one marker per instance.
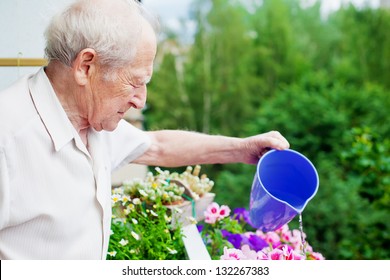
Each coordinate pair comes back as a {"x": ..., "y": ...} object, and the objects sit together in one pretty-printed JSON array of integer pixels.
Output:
[{"x": 106, "y": 126}]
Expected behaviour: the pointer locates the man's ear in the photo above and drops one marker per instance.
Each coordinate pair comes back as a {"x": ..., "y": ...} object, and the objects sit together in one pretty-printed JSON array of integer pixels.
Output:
[{"x": 84, "y": 65}]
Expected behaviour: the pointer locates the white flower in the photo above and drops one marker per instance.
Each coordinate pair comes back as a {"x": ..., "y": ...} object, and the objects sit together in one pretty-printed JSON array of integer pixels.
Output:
[
  {"x": 205, "y": 180},
  {"x": 112, "y": 254},
  {"x": 136, "y": 201},
  {"x": 158, "y": 169},
  {"x": 134, "y": 221},
  {"x": 130, "y": 208},
  {"x": 171, "y": 251},
  {"x": 136, "y": 236},
  {"x": 123, "y": 242},
  {"x": 125, "y": 199},
  {"x": 189, "y": 169},
  {"x": 163, "y": 182},
  {"x": 143, "y": 193},
  {"x": 118, "y": 190},
  {"x": 153, "y": 213},
  {"x": 115, "y": 198}
]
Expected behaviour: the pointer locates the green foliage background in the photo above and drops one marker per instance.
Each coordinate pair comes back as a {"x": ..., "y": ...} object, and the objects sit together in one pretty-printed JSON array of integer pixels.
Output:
[{"x": 323, "y": 83}]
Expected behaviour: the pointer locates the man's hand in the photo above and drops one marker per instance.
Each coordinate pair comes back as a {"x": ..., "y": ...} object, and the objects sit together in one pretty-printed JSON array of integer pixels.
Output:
[{"x": 256, "y": 146}]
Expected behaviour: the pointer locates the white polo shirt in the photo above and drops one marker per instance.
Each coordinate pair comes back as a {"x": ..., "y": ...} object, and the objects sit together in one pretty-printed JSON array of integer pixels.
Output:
[{"x": 55, "y": 194}]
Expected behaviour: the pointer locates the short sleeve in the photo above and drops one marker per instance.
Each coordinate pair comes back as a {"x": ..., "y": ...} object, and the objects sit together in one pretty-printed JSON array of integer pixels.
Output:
[
  {"x": 125, "y": 144},
  {"x": 4, "y": 190}
]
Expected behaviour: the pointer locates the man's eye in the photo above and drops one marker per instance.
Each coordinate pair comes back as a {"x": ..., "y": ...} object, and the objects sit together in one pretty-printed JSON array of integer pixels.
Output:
[
  {"x": 131, "y": 86},
  {"x": 134, "y": 86}
]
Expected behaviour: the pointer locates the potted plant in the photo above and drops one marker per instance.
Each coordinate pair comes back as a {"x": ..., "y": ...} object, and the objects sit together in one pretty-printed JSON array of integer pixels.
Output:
[
  {"x": 149, "y": 214},
  {"x": 155, "y": 218}
]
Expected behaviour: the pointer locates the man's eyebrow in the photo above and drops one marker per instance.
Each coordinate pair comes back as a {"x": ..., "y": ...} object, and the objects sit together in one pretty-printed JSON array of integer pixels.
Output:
[
  {"x": 141, "y": 80},
  {"x": 144, "y": 81}
]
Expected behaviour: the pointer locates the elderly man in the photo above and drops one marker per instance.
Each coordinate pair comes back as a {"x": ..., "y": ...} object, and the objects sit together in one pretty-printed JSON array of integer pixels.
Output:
[{"x": 62, "y": 133}]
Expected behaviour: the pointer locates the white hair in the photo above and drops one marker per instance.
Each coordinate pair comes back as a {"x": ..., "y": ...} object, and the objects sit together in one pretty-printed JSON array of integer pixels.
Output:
[{"x": 111, "y": 27}]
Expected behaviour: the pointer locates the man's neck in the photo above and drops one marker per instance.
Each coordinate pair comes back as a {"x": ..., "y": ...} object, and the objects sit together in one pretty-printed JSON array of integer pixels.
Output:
[{"x": 68, "y": 94}]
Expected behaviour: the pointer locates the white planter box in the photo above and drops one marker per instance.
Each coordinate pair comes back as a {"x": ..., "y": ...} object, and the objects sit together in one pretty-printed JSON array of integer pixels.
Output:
[
  {"x": 195, "y": 248},
  {"x": 188, "y": 209}
]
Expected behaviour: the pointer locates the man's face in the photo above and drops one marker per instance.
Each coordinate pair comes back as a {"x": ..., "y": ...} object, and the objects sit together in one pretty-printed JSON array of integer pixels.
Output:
[{"x": 112, "y": 97}]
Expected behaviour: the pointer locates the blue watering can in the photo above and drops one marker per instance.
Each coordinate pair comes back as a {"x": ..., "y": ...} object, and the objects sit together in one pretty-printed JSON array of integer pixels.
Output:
[{"x": 285, "y": 181}]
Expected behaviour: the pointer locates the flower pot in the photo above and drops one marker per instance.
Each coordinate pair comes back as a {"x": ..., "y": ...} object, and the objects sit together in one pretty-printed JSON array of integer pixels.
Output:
[{"x": 188, "y": 212}]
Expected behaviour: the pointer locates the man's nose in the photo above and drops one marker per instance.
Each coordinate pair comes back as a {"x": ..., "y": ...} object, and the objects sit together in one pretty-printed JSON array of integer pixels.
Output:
[{"x": 139, "y": 98}]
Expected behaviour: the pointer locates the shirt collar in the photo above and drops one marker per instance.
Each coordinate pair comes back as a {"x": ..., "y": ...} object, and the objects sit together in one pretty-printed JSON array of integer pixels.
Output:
[{"x": 50, "y": 110}]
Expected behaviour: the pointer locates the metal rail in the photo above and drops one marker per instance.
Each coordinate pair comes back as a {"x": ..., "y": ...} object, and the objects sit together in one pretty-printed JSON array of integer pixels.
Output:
[{"x": 16, "y": 62}]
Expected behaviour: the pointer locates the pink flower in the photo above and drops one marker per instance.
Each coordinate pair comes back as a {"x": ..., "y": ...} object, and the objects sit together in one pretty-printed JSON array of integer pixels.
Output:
[
  {"x": 214, "y": 213},
  {"x": 262, "y": 255},
  {"x": 285, "y": 233},
  {"x": 297, "y": 234},
  {"x": 270, "y": 237},
  {"x": 213, "y": 208},
  {"x": 283, "y": 229},
  {"x": 285, "y": 253},
  {"x": 210, "y": 219},
  {"x": 236, "y": 254},
  {"x": 308, "y": 248},
  {"x": 316, "y": 256},
  {"x": 248, "y": 253},
  {"x": 290, "y": 254},
  {"x": 276, "y": 254},
  {"x": 224, "y": 211},
  {"x": 232, "y": 254}
]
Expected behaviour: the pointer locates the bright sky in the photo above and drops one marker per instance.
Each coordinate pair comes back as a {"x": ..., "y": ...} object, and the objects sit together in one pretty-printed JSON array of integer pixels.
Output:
[
  {"x": 171, "y": 11},
  {"x": 22, "y": 23}
]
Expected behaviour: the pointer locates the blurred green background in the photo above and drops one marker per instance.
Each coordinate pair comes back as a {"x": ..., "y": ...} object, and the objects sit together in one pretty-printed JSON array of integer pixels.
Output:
[{"x": 322, "y": 82}]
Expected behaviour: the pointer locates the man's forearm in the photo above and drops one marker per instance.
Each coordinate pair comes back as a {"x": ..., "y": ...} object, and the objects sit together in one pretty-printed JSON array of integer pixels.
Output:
[{"x": 172, "y": 148}]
